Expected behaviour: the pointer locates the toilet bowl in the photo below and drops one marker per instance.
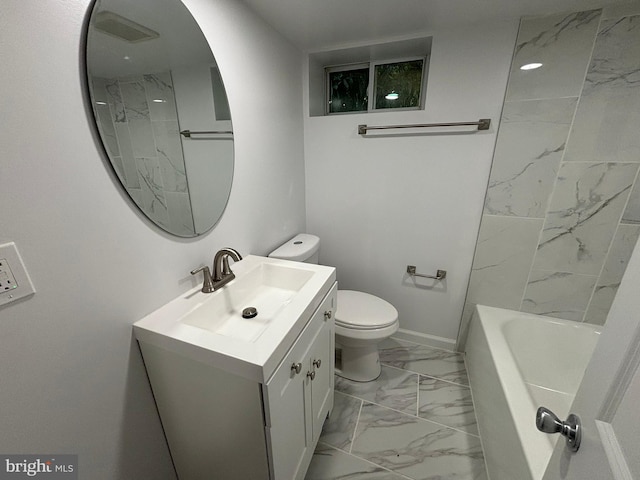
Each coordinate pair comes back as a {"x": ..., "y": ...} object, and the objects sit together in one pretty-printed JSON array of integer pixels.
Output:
[{"x": 362, "y": 320}]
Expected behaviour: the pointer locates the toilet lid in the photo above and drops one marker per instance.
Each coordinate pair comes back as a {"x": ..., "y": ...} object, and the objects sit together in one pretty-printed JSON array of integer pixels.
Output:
[{"x": 363, "y": 311}]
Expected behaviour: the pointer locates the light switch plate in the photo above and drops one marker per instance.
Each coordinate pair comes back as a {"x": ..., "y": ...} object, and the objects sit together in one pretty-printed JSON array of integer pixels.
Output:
[{"x": 14, "y": 279}]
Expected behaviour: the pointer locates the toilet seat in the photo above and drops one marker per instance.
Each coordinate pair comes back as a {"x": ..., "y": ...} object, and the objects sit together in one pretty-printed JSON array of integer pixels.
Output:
[{"x": 362, "y": 311}]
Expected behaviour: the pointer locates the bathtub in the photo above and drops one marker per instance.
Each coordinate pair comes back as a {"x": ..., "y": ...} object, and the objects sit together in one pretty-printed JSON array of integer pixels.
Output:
[{"x": 516, "y": 363}]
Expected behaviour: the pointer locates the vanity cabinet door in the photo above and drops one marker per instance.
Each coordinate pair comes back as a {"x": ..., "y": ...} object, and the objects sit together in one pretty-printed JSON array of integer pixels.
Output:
[
  {"x": 287, "y": 412},
  {"x": 322, "y": 356},
  {"x": 299, "y": 395}
]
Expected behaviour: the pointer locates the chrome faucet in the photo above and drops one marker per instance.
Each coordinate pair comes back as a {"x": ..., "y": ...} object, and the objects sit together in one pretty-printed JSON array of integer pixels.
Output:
[{"x": 222, "y": 273}]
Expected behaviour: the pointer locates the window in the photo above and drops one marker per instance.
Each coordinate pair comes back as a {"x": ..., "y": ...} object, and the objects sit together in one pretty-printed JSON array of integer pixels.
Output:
[
  {"x": 395, "y": 85},
  {"x": 348, "y": 89}
]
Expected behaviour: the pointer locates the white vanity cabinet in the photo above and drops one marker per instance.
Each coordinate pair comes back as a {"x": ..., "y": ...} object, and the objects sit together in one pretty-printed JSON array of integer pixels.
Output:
[
  {"x": 299, "y": 395},
  {"x": 222, "y": 423}
]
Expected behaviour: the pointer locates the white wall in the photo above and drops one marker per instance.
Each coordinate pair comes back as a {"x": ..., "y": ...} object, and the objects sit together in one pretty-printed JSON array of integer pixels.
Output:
[
  {"x": 379, "y": 204},
  {"x": 71, "y": 378},
  {"x": 206, "y": 158}
]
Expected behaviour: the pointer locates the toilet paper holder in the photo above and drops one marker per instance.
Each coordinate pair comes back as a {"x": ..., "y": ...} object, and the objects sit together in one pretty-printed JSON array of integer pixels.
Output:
[{"x": 440, "y": 274}]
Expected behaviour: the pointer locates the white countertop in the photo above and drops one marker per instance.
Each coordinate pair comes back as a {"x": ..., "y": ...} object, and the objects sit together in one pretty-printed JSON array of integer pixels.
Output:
[{"x": 255, "y": 359}]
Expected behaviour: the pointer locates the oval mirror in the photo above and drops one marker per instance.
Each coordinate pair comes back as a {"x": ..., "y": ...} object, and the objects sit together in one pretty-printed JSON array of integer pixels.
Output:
[{"x": 161, "y": 110}]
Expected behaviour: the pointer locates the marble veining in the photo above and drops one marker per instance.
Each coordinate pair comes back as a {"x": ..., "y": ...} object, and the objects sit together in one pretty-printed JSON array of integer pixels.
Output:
[
  {"x": 139, "y": 126},
  {"x": 414, "y": 447},
  {"x": 160, "y": 95},
  {"x": 114, "y": 99},
  {"x": 420, "y": 359},
  {"x": 563, "y": 44},
  {"x": 435, "y": 437},
  {"x": 619, "y": 254},
  {"x": 447, "y": 404},
  {"x": 565, "y": 23},
  {"x": 567, "y": 155},
  {"x": 529, "y": 148},
  {"x": 558, "y": 294},
  {"x": 170, "y": 157},
  {"x": 585, "y": 209},
  {"x": 506, "y": 246},
  {"x": 332, "y": 464},
  {"x": 135, "y": 101},
  {"x": 609, "y": 111},
  {"x": 339, "y": 429},
  {"x": 394, "y": 388}
]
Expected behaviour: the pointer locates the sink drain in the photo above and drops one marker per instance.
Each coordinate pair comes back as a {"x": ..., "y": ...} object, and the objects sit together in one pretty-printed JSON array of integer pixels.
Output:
[{"x": 249, "y": 312}]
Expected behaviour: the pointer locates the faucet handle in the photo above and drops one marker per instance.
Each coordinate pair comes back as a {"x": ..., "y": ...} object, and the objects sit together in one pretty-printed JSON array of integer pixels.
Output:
[{"x": 207, "y": 285}]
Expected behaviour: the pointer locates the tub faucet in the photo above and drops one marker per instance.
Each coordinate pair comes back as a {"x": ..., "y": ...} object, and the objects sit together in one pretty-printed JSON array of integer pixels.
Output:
[{"x": 222, "y": 273}]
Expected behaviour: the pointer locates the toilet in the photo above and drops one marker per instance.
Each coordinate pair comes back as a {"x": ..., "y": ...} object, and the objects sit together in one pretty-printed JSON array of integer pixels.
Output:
[{"x": 362, "y": 320}]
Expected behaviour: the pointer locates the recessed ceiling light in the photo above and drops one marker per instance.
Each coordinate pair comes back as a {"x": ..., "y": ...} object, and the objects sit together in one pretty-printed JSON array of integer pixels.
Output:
[
  {"x": 101, "y": 103},
  {"x": 158, "y": 100},
  {"x": 392, "y": 96},
  {"x": 530, "y": 66}
]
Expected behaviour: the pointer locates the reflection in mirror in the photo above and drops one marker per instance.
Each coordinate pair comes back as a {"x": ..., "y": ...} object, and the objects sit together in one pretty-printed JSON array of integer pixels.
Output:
[{"x": 153, "y": 79}]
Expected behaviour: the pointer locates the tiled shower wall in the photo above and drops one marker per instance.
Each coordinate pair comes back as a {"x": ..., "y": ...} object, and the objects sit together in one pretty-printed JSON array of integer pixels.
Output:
[
  {"x": 138, "y": 120},
  {"x": 562, "y": 210}
]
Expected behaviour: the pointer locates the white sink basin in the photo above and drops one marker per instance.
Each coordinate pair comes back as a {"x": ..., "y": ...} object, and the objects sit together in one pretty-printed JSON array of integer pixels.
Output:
[
  {"x": 210, "y": 328},
  {"x": 268, "y": 288}
]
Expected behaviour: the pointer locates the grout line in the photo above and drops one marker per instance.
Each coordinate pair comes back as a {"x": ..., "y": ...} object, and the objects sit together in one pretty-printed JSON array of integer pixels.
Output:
[
  {"x": 418, "y": 398},
  {"x": 367, "y": 460},
  {"x": 364, "y": 400},
  {"x": 426, "y": 346},
  {"x": 353, "y": 440},
  {"x": 465, "y": 385},
  {"x": 427, "y": 375}
]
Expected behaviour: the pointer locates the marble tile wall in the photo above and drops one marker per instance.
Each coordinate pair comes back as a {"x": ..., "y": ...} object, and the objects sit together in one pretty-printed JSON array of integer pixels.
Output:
[
  {"x": 562, "y": 210},
  {"x": 138, "y": 120}
]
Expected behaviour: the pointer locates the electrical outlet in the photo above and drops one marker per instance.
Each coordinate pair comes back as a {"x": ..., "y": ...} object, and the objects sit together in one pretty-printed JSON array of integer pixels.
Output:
[
  {"x": 7, "y": 280},
  {"x": 14, "y": 279}
]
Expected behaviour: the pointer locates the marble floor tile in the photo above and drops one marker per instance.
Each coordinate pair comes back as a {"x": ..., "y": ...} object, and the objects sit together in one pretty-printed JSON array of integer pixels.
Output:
[
  {"x": 331, "y": 464},
  {"x": 447, "y": 403},
  {"x": 416, "y": 448},
  {"x": 339, "y": 428},
  {"x": 416, "y": 358},
  {"x": 394, "y": 388}
]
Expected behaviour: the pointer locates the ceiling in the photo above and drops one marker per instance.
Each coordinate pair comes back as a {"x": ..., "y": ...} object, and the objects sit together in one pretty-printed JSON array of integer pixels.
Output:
[
  {"x": 317, "y": 24},
  {"x": 180, "y": 43}
]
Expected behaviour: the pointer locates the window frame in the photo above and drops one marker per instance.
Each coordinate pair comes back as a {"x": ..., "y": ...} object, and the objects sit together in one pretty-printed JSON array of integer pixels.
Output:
[
  {"x": 344, "y": 68},
  {"x": 371, "y": 88}
]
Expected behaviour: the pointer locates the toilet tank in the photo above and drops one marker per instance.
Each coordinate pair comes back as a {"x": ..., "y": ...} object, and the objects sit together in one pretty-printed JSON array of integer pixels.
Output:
[{"x": 301, "y": 248}]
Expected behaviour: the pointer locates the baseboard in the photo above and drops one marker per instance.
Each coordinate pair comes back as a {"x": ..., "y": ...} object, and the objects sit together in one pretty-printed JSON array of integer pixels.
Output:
[{"x": 425, "y": 339}]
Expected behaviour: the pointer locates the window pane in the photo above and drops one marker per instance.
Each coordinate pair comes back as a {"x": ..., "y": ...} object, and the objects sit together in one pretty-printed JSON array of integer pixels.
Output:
[
  {"x": 348, "y": 90},
  {"x": 398, "y": 84}
]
